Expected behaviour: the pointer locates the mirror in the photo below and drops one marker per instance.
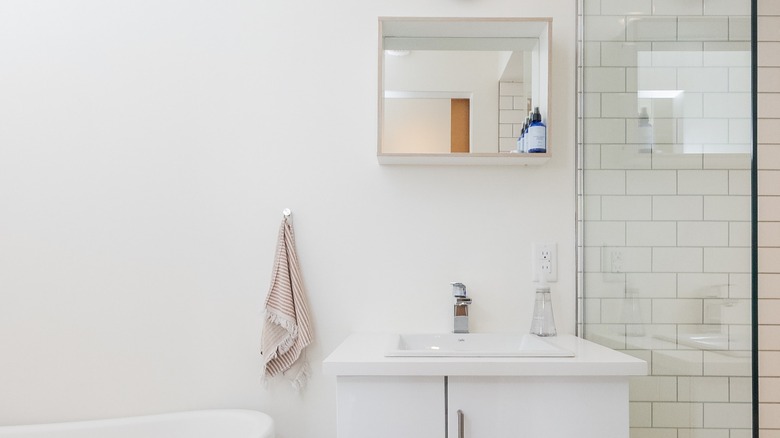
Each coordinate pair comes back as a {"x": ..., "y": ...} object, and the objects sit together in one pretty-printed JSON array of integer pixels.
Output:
[{"x": 460, "y": 87}]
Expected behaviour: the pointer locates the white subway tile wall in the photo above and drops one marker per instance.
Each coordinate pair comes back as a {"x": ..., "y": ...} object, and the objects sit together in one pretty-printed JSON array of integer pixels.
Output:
[{"x": 666, "y": 208}]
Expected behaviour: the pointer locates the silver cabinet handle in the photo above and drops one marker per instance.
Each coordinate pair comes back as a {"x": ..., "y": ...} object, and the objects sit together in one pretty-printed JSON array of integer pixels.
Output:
[{"x": 460, "y": 424}]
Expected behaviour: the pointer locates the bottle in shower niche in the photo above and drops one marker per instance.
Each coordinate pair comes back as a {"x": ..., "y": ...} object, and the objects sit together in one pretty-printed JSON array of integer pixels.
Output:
[
  {"x": 645, "y": 132},
  {"x": 543, "y": 321},
  {"x": 537, "y": 134}
]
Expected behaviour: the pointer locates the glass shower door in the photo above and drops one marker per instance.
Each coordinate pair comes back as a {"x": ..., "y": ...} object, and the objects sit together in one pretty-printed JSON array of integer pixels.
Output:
[{"x": 665, "y": 206}]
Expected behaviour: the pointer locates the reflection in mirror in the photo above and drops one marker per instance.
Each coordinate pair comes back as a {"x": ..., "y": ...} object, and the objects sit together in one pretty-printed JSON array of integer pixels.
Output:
[
  {"x": 432, "y": 122},
  {"x": 454, "y": 86}
]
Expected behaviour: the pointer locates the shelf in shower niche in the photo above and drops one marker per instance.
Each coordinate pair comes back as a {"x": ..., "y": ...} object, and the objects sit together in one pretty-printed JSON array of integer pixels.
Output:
[{"x": 465, "y": 159}]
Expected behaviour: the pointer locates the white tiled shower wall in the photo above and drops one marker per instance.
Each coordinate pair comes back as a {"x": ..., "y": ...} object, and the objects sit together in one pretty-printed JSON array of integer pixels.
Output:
[
  {"x": 769, "y": 216},
  {"x": 666, "y": 217}
]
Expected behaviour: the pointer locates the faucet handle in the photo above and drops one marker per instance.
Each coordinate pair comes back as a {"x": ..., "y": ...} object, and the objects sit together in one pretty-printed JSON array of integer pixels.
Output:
[{"x": 458, "y": 289}]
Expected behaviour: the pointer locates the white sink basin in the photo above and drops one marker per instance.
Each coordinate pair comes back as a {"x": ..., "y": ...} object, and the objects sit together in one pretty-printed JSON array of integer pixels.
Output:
[{"x": 474, "y": 345}]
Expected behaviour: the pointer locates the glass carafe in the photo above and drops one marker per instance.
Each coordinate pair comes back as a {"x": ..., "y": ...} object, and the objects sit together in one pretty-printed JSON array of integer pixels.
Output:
[{"x": 543, "y": 322}]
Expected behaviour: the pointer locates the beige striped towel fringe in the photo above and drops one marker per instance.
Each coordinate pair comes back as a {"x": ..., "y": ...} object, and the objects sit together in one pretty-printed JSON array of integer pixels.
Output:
[{"x": 287, "y": 329}]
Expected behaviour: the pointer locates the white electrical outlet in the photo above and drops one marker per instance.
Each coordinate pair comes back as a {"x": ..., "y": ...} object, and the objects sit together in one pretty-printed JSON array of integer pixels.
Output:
[
  {"x": 617, "y": 261},
  {"x": 545, "y": 262},
  {"x": 612, "y": 260}
]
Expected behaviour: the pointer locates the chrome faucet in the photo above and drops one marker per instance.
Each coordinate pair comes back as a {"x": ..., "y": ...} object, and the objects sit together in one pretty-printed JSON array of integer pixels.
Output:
[{"x": 461, "y": 310}]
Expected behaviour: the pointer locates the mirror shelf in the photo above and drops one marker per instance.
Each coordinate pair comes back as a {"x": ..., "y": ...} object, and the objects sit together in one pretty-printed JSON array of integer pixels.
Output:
[{"x": 473, "y": 159}]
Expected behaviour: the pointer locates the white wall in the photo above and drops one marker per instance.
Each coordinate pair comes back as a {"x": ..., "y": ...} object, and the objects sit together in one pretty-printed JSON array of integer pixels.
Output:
[{"x": 147, "y": 149}]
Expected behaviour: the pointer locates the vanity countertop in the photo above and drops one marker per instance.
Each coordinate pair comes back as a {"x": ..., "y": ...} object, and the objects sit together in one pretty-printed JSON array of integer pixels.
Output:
[{"x": 363, "y": 354}]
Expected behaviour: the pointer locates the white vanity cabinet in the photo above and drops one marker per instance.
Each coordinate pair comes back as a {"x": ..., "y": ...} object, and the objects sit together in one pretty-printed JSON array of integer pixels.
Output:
[
  {"x": 549, "y": 407},
  {"x": 390, "y": 407},
  {"x": 584, "y": 396}
]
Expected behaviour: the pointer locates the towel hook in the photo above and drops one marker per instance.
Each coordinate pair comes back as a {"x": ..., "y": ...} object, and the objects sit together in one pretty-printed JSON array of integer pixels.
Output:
[{"x": 287, "y": 213}]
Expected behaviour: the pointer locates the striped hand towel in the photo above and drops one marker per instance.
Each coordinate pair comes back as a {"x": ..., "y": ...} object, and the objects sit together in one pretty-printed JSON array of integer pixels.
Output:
[{"x": 287, "y": 329}]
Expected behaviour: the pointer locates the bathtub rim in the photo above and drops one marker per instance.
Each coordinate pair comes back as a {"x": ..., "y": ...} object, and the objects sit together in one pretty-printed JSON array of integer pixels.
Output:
[{"x": 262, "y": 419}]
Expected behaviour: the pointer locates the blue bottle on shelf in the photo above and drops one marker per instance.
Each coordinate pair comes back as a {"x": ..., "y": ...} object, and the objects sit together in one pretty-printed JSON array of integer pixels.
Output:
[
  {"x": 537, "y": 134},
  {"x": 521, "y": 140}
]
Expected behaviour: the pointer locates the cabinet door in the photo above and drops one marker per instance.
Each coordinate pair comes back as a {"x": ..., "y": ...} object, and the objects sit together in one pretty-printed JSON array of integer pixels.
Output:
[
  {"x": 390, "y": 407},
  {"x": 538, "y": 407}
]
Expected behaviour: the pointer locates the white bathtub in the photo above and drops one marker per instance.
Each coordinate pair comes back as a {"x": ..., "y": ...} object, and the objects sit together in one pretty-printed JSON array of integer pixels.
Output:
[{"x": 217, "y": 423}]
